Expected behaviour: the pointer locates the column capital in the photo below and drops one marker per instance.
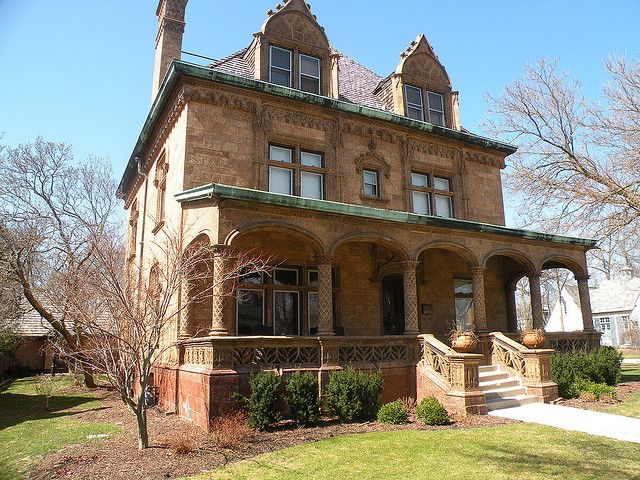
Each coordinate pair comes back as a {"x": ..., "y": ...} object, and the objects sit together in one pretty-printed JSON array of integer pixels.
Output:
[
  {"x": 477, "y": 269},
  {"x": 220, "y": 249},
  {"x": 410, "y": 264},
  {"x": 534, "y": 275},
  {"x": 582, "y": 278},
  {"x": 324, "y": 259}
]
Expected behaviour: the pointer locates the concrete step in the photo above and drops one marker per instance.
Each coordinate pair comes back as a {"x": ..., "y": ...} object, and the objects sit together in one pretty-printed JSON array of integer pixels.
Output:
[
  {"x": 499, "y": 393},
  {"x": 496, "y": 404},
  {"x": 492, "y": 376},
  {"x": 488, "y": 368},
  {"x": 504, "y": 383}
]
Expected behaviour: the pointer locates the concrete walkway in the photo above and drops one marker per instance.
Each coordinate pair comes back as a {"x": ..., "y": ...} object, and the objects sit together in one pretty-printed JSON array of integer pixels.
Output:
[
  {"x": 631, "y": 361},
  {"x": 576, "y": 419}
]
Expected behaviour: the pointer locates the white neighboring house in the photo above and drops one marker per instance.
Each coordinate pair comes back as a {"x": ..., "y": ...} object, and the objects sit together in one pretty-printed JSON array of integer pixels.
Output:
[{"x": 615, "y": 305}]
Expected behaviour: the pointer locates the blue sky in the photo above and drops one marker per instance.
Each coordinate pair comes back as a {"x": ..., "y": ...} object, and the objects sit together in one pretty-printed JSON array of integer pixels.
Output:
[{"x": 79, "y": 71}]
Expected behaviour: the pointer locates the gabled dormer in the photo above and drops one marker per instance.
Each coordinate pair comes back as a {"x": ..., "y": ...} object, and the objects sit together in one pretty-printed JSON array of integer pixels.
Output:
[
  {"x": 291, "y": 49},
  {"x": 420, "y": 87}
]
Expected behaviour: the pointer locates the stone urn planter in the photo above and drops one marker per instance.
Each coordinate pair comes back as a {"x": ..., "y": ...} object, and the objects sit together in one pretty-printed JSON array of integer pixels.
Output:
[
  {"x": 464, "y": 342},
  {"x": 533, "y": 338}
]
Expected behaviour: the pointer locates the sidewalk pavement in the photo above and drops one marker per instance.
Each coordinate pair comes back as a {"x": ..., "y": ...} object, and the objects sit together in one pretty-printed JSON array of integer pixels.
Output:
[{"x": 568, "y": 418}]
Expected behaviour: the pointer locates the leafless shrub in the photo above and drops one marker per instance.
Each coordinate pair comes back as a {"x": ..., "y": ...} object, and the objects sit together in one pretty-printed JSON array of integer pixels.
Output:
[
  {"x": 184, "y": 443},
  {"x": 409, "y": 403},
  {"x": 230, "y": 431}
]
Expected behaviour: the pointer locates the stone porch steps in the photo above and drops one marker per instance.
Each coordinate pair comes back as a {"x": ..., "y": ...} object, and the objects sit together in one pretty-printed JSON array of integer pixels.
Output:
[{"x": 501, "y": 389}]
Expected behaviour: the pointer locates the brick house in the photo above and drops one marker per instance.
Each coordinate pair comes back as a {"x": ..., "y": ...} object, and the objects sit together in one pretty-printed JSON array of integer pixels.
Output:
[{"x": 386, "y": 217}]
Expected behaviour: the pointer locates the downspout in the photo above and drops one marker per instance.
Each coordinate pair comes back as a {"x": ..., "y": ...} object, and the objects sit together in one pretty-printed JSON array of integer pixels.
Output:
[{"x": 144, "y": 218}]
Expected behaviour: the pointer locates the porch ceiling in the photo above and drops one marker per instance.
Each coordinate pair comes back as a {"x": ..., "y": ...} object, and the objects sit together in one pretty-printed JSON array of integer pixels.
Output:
[{"x": 237, "y": 193}]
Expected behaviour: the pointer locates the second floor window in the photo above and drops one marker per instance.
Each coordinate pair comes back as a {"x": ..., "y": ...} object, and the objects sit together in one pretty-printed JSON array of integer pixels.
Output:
[
  {"x": 431, "y": 195},
  {"x": 424, "y": 105},
  {"x": 296, "y": 172},
  {"x": 370, "y": 185}
]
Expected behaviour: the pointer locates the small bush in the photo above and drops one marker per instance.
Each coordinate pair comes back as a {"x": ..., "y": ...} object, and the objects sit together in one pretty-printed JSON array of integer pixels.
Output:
[
  {"x": 184, "y": 443},
  {"x": 602, "y": 366},
  {"x": 230, "y": 431},
  {"x": 353, "y": 395},
  {"x": 263, "y": 403},
  {"x": 431, "y": 412},
  {"x": 45, "y": 388},
  {"x": 592, "y": 391},
  {"x": 303, "y": 400},
  {"x": 394, "y": 412}
]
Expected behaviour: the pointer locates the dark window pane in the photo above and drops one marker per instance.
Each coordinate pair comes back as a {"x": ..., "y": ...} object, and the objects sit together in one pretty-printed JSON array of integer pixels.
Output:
[
  {"x": 436, "y": 118},
  {"x": 280, "y": 77},
  {"x": 285, "y": 313},
  {"x": 281, "y": 58},
  {"x": 414, "y": 96},
  {"x": 250, "y": 311},
  {"x": 286, "y": 277},
  {"x": 415, "y": 113},
  {"x": 313, "y": 312},
  {"x": 311, "y": 85},
  {"x": 309, "y": 66},
  {"x": 435, "y": 102},
  {"x": 313, "y": 278},
  {"x": 252, "y": 278}
]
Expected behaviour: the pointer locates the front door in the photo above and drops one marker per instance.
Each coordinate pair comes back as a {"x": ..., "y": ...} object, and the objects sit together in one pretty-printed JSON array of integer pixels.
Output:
[{"x": 392, "y": 305}]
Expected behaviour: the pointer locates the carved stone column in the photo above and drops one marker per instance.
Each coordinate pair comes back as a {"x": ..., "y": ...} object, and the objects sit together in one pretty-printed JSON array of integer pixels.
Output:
[
  {"x": 411, "y": 326},
  {"x": 219, "y": 293},
  {"x": 585, "y": 302},
  {"x": 479, "y": 309},
  {"x": 536, "y": 300},
  {"x": 512, "y": 311},
  {"x": 185, "y": 314},
  {"x": 325, "y": 296}
]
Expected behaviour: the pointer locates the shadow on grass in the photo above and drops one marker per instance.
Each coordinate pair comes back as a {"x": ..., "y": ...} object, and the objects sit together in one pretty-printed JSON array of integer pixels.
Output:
[
  {"x": 630, "y": 375},
  {"x": 586, "y": 458},
  {"x": 16, "y": 408}
]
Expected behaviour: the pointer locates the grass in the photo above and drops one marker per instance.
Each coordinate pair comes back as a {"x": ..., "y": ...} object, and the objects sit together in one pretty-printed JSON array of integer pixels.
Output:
[
  {"x": 522, "y": 451},
  {"x": 630, "y": 373},
  {"x": 28, "y": 430}
]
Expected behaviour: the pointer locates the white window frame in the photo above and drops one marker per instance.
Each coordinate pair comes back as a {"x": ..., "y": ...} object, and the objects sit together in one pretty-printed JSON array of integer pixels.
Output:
[
  {"x": 429, "y": 109},
  {"x": 273, "y": 314},
  {"x": 277, "y": 147},
  {"x": 271, "y": 66},
  {"x": 451, "y": 215},
  {"x": 264, "y": 316},
  {"x": 300, "y": 74},
  {"x": 291, "y": 174},
  {"x": 364, "y": 183},
  {"x": 420, "y": 192},
  {"x": 414, "y": 105}
]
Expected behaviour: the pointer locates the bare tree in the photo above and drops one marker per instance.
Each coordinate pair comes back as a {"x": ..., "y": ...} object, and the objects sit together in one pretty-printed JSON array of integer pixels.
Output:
[
  {"x": 51, "y": 212},
  {"x": 578, "y": 163},
  {"x": 136, "y": 317}
]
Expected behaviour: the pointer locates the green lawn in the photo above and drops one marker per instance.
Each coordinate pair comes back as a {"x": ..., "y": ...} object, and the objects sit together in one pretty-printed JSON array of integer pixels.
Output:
[
  {"x": 519, "y": 451},
  {"x": 630, "y": 373},
  {"x": 28, "y": 431}
]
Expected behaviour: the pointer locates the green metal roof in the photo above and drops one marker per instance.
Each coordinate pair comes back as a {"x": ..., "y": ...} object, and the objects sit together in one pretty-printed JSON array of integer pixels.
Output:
[
  {"x": 179, "y": 68},
  {"x": 246, "y": 194}
]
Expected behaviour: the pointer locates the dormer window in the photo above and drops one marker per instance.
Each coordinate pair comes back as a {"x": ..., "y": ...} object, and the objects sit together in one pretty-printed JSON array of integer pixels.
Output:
[
  {"x": 309, "y": 74},
  {"x": 413, "y": 100},
  {"x": 419, "y": 102},
  {"x": 280, "y": 66}
]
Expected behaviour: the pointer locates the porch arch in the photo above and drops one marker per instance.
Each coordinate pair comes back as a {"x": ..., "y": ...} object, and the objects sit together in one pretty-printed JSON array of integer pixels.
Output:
[
  {"x": 516, "y": 255},
  {"x": 274, "y": 225},
  {"x": 561, "y": 261},
  {"x": 371, "y": 237},
  {"x": 453, "y": 247}
]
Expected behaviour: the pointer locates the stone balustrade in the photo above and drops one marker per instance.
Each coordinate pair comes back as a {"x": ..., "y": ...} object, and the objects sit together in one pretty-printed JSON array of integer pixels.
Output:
[{"x": 303, "y": 352}]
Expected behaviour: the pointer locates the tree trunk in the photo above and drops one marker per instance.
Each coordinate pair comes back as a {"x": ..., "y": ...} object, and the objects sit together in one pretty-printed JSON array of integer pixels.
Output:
[
  {"x": 143, "y": 435},
  {"x": 89, "y": 379}
]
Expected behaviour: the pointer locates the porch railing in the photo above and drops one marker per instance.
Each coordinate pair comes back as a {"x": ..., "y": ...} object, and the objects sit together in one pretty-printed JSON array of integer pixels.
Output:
[
  {"x": 309, "y": 352},
  {"x": 453, "y": 370},
  {"x": 578, "y": 341},
  {"x": 532, "y": 365}
]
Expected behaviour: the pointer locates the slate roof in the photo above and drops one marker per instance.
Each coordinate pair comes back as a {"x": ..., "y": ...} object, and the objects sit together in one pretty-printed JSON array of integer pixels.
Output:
[
  {"x": 357, "y": 82},
  {"x": 615, "y": 295},
  {"x": 31, "y": 324}
]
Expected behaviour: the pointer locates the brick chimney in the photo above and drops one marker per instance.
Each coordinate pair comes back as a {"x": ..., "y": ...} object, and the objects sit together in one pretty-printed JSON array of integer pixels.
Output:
[{"x": 169, "y": 39}]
